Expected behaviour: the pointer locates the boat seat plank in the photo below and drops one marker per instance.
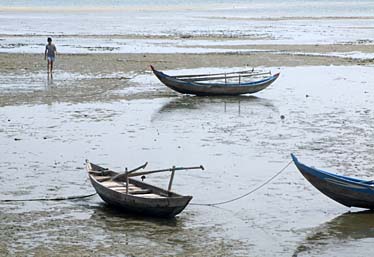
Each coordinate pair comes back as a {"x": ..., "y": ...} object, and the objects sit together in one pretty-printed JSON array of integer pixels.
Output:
[
  {"x": 131, "y": 189},
  {"x": 251, "y": 71},
  {"x": 102, "y": 178},
  {"x": 224, "y": 77},
  {"x": 139, "y": 192},
  {"x": 111, "y": 184},
  {"x": 117, "y": 188},
  {"x": 152, "y": 196}
]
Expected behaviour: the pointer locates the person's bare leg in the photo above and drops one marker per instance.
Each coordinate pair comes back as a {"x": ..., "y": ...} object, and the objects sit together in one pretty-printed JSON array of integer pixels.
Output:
[
  {"x": 48, "y": 67},
  {"x": 51, "y": 66}
]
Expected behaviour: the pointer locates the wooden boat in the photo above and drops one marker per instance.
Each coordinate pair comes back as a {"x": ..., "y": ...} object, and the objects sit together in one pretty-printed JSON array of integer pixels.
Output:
[
  {"x": 131, "y": 195},
  {"x": 233, "y": 83},
  {"x": 350, "y": 192}
]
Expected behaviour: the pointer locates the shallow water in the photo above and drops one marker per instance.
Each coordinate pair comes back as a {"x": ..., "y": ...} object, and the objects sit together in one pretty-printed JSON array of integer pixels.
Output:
[
  {"x": 125, "y": 27},
  {"x": 241, "y": 141},
  {"x": 255, "y": 7}
]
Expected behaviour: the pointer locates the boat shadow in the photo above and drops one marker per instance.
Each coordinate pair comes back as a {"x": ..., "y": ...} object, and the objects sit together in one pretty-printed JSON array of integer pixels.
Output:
[
  {"x": 112, "y": 216},
  {"x": 350, "y": 226},
  {"x": 237, "y": 104},
  {"x": 137, "y": 235}
]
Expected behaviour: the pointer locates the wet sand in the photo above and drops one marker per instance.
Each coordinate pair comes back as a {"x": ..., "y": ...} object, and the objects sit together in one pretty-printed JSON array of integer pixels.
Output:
[
  {"x": 84, "y": 77},
  {"x": 268, "y": 56},
  {"x": 110, "y": 109}
]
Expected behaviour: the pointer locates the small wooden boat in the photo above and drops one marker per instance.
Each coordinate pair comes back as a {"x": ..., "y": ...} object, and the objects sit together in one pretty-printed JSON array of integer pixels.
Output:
[
  {"x": 233, "y": 83},
  {"x": 350, "y": 192},
  {"x": 121, "y": 191}
]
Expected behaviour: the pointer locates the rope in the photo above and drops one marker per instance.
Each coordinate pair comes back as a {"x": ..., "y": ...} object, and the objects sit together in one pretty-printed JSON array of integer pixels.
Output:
[
  {"x": 201, "y": 204},
  {"x": 248, "y": 193},
  {"x": 48, "y": 199}
]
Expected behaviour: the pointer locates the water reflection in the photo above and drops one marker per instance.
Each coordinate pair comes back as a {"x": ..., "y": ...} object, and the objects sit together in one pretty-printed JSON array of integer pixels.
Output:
[
  {"x": 49, "y": 97},
  {"x": 236, "y": 104},
  {"x": 50, "y": 79},
  {"x": 147, "y": 236},
  {"x": 349, "y": 226}
]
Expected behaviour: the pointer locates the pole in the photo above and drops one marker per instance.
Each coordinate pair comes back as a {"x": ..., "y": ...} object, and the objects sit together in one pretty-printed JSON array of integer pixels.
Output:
[
  {"x": 163, "y": 170},
  {"x": 171, "y": 178},
  {"x": 127, "y": 182}
]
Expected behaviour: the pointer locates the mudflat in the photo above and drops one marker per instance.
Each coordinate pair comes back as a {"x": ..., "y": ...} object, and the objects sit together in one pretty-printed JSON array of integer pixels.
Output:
[
  {"x": 104, "y": 104},
  {"x": 83, "y": 77}
]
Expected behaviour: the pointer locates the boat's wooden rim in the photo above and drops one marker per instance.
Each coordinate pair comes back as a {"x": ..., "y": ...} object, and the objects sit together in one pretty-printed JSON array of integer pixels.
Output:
[
  {"x": 212, "y": 74},
  {"x": 222, "y": 74},
  {"x": 135, "y": 187},
  {"x": 360, "y": 182},
  {"x": 239, "y": 76},
  {"x": 133, "y": 190}
]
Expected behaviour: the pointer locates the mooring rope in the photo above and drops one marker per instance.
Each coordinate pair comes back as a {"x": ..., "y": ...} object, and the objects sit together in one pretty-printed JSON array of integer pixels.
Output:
[
  {"x": 201, "y": 204},
  {"x": 48, "y": 199},
  {"x": 248, "y": 193}
]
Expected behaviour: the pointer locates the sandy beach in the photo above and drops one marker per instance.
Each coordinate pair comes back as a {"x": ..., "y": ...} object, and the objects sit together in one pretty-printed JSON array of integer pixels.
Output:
[{"x": 101, "y": 76}]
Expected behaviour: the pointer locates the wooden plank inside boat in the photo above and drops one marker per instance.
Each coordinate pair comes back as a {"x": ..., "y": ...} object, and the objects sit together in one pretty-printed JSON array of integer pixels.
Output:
[
  {"x": 152, "y": 196},
  {"x": 123, "y": 192},
  {"x": 226, "y": 77},
  {"x": 123, "y": 189},
  {"x": 139, "y": 192},
  {"x": 102, "y": 178},
  {"x": 217, "y": 74},
  {"x": 111, "y": 184}
]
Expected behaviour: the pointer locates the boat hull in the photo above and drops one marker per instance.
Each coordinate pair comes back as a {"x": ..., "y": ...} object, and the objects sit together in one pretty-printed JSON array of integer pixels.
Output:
[
  {"x": 166, "y": 207},
  {"x": 213, "y": 89},
  {"x": 153, "y": 201},
  {"x": 348, "y": 191}
]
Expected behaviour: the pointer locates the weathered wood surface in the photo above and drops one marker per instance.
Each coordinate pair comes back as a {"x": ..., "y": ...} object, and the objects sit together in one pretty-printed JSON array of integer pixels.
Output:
[
  {"x": 136, "y": 196},
  {"x": 214, "y": 88}
]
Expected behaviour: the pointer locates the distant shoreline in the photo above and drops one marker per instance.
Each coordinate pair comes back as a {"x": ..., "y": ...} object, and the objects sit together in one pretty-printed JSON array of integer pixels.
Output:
[{"x": 132, "y": 8}]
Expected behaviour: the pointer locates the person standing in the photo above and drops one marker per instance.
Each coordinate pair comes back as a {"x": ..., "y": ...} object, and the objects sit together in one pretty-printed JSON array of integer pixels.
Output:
[{"x": 50, "y": 55}]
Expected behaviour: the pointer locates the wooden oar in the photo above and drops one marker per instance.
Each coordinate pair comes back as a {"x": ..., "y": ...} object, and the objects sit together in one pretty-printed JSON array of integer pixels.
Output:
[
  {"x": 214, "y": 74},
  {"x": 138, "y": 168},
  {"x": 120, "y": 175},
  {"x": 163, "y": 170},
  {"x": 225, "y": 77}
]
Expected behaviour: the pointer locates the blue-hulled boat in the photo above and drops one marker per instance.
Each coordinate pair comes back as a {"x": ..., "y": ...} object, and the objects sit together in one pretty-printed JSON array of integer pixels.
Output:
[
  {"x": 350, "y": 192},
  {"x": 233, "y": 83}
]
